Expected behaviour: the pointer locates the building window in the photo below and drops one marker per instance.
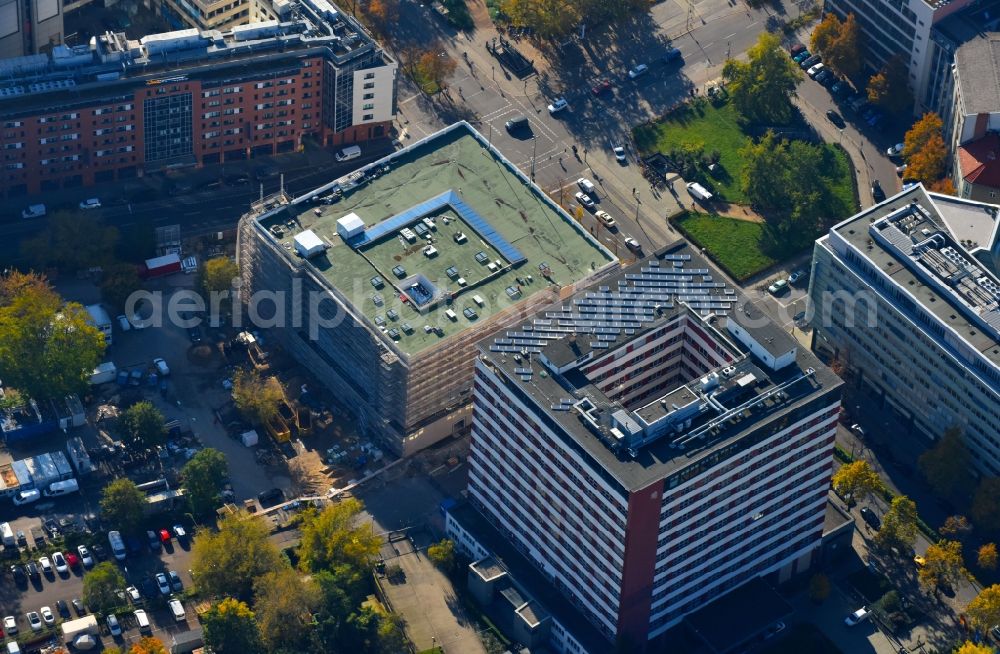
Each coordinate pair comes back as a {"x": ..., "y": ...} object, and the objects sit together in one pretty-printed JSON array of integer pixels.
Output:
[{"x": 368, "y": 117}]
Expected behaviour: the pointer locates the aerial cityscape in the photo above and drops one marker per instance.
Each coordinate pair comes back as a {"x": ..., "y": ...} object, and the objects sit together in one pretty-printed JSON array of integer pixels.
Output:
[{"x": 489, "y": 326}]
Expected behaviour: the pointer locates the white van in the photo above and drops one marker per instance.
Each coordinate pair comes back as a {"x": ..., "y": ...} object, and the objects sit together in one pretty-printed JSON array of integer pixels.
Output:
[
  {"x": 587, "y": 186},
  {"x": 178, "y": 610},
  {"x": 143, "y": 621},
  {"x": 62, "y": 488},
  {"x": 117, "y": 545},
  {"x": 34, "y": 211},
  {"x": 7, "y": 534},
  {"x": 699, "y": 192},
  {"x": 348, "y": 153}
]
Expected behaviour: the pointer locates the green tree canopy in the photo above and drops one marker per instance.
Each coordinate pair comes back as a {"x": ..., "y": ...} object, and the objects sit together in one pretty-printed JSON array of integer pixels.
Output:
[
  {"x": 946, "y": 465},
  {"x": 333, "y": 536},
  {"x": 101, "y": 585},
  {"x": 73, "y": 241},
  {"x": 48, "y": 349},
  {"x": 762, "y": 87},
  {"x": 889, "y": 88},
  {"x": 123, "y": 505},
  {"x": 226, "y": 562},
  {"x": 231, "y": 628},
  {"x": 118, "y": 281},
  {"x": 143, "y": 425},
  {"x": 203, "y": 478},
  {"x": 986, "y": 504},
  {"x": 442, "y": 554}
]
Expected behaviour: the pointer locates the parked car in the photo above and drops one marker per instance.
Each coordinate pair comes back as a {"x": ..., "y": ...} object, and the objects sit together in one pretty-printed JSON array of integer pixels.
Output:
[
  {"x": 584, "y": 199},
  {"x": 809, "y": 62},
  {"x": 161, "y": 367},
  {"x": 835, "y": 118},
  {"x": 857, "y": 617},
  {"x": 47, "y": 616},
  {"x": 154, "y": 541},
  {"x": 919, "y": 561},
  {"x": 72, "y": 559},
  {"x": 815, "y": 70},
  {"x": 142, "y": 620},
  {"x": 181, "y": 534},
  {"x": 633, "y": 244},
  {"x": 586, "y": 186},
  {"x": 114, "y": 626},
  {"x": 62, "y": 607},
  {"x": 45, "y": 565},
  {"x": 558, "y": 105},
  {"x": 10, "y": 625},
  {"x": 162, "y": 584},
  {"x": 85, "y": 557},
  {"x": 164, "y": 536},
  {"x": 673, "y": 55},
  {"x": 60, "y": 562},
  {"x": 90, "y": 203},
  {"x": 822, "y": 76},
  {"x": 801, "y": 56},
  {"x": 175, "y": 581},
  {"x": 601, "y": 87},
  {"x": 895, "y": 150},
  {"x": 858, "y": 429},
  {"x": 797, "y": 276},
  {"x": 778, "y": 287},
  {"x": 870, "y": 517},
  {"x": 619, "y": 154},
  {"x": 34, "y": 620},
  {"x": 133, "y": 594},
  {"x": 32, "y": 570},
  {"x": 796, "y": 48},
  {"x": 638, "y": 71},
  {"x": 901, "y": 169},
  {"x": 17, "y": 571},
  {"x": 78, "y": 607}
]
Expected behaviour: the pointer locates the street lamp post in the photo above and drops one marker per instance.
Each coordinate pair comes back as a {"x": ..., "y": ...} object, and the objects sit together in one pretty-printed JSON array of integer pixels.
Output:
[{"x": 637, "y": 203}]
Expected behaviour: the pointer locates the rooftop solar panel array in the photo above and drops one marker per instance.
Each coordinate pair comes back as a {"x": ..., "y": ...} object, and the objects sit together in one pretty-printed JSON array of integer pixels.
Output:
[
  {"x": 447, "y": 199},
  {"x": 634, "y": 304}
]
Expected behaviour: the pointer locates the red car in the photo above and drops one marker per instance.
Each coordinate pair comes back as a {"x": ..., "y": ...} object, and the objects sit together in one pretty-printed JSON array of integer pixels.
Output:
[
  {"x": 72, "y": 559},
  {"x": 602, "y": 87},
  {"x": 164, "y": 535}
]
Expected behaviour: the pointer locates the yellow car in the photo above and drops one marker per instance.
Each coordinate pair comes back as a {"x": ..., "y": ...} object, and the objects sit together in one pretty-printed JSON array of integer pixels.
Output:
[{"x": 919, "y": 560}]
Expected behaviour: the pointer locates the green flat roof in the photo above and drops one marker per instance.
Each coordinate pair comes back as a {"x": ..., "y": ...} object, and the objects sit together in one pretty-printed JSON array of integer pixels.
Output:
[{"x": 453, "y": 160}]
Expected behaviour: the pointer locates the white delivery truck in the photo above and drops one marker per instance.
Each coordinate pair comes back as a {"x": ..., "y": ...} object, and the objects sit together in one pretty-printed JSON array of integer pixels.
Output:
[
  {"x": 104, "y": 373},
  {"x": 699, "y": 192},
  {"x": 73, "y": 629},
  {"x": 100, "y": 319},
  {"x": 7, "y": 534}
]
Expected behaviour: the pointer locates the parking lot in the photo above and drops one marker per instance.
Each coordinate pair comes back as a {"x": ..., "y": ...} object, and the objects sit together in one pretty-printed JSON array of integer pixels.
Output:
[{"x": 19, "y": 598}]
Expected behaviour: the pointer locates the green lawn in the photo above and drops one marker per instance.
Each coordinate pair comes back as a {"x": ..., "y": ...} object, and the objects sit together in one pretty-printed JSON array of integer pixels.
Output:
[
  {"x": 802, "y": 638},
  {"x": 716, "y": 128},
  {"x": 735, "y": 244}
]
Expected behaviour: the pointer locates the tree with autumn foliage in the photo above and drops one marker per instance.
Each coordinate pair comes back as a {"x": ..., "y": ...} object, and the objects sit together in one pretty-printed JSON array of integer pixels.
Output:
[
  {"x": 383, "y": 14},
  {"x": 890, "y": 88},
  {"x": 986, "y": 557},
  {"x": 969, "y": 647},
  {"x": 984, "y": 610},
  {"x": 839, "y": 44},
  {"x": 148, "y": 645},
  {"x": 924, "y": 150},
  {"x": 943, "y": 565},
  {"x": 956, "y": 527},
  {"x": 856, "y": 480}
]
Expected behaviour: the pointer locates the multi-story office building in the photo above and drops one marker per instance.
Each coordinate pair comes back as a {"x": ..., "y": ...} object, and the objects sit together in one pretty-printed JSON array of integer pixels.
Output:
[
  {"x": 29, "y": 26},
  {"x": 652, "y": 443},
  {"x": 118, "y": 108},
  {"x": 903, "y": 28},
  {"x": 394, "y": 272},
  {"x": 906, "y": 296}
]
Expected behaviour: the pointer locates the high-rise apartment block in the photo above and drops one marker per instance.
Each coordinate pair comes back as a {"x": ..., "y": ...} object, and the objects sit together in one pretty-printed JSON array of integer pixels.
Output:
[
  {"x": 119, "y": 108},
  {"x": 653, "y": 442},
  {"x": 905, "y": 294}
]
